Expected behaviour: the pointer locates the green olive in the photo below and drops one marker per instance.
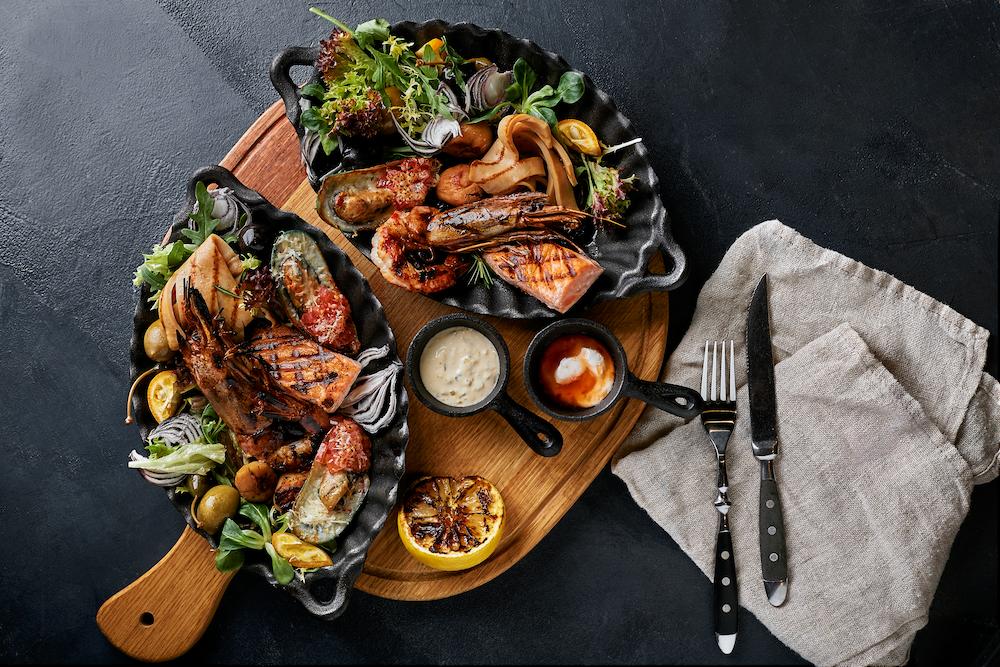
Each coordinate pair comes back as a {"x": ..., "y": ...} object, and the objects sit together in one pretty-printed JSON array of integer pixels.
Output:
[
  {"x": 198, "y": 485},
  {"x": 154, "y": 342},
  {"x": 218, "y": 504},
  {"x": 256, "y": 481}
]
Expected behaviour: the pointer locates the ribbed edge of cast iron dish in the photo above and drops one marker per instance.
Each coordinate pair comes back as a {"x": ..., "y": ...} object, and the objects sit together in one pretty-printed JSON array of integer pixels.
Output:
[
  {"x": 623, "y": 252},
  {"x": 323, "y": 592}
]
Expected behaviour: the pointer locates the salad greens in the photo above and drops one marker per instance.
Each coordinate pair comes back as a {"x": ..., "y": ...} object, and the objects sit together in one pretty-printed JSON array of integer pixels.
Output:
[
  {"x": 607, "y": 191},
  {"x": 367, "y": 73},
  {"x": 539, "y": 102},
  {"x": 187, "y": 459},
  {"x": 159, "y": 265},
  {"x": 234, "y": 540}
]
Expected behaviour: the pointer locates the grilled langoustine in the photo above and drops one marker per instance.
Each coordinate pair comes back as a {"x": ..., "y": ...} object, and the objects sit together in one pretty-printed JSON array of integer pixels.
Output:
[
  {"x": 301, "y": 366},
  {"x": 336, "y": 486},
  {"x": 495, "y": 217},
  {"x": 240, "y": 388},
  {"x": 555, "y": 275}
]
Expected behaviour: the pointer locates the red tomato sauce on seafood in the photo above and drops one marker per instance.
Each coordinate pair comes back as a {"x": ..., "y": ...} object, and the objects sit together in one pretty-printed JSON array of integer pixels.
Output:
[
  {"x": 576, "y": 371},
  {"x": 326, "y": 318},
  {"x": 409, "y": 181},
  {"x": 346, "y": 448}
]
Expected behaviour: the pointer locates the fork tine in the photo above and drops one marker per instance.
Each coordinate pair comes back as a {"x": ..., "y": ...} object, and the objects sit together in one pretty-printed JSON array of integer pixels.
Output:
[
  {"x": 722, "y": 375},
  {"x": 715, "y": 374},
  {"x": 732, "y": 371},
  {"x": 704, "y": 374}
]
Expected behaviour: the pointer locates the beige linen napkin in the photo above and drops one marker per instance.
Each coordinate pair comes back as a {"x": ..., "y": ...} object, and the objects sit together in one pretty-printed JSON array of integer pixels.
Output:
[{"x": 886, "y": 421}]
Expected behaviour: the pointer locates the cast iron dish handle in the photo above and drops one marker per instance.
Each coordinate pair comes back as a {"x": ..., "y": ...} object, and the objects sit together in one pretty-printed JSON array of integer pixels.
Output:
[
  {"x": 543, "y": 438},
  {"x": 223, "y": 178},
  {"x": 663, "y": 395},
  {"x": 281, "y": 77},
  {"x": 675, "y": 258}
]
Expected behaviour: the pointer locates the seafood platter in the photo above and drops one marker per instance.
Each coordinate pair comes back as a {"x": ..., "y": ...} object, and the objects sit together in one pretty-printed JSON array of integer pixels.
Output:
[{"x": 269, "y": 389}]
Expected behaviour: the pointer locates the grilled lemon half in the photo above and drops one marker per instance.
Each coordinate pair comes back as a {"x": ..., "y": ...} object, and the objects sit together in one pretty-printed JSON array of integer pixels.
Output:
[{"x": 451, "y": 523}]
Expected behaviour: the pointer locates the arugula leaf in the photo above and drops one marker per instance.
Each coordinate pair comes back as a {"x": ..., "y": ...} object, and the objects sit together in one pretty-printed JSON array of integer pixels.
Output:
[{"x": 205, "y": 224}]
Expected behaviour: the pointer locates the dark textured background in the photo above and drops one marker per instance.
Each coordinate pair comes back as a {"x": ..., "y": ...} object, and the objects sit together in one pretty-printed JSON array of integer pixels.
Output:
[{"x": 872, "y": 127}]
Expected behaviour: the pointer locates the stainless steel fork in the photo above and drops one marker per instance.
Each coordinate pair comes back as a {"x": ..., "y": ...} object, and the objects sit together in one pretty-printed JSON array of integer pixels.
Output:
[{"x": 719, "y": 418}]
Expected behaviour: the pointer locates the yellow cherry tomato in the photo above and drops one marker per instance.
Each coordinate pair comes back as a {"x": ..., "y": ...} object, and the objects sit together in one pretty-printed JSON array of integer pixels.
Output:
[
  {"x": 436, "y": 45},
  {"x": 577, "y": 134},
  {"x": 299, "y": 553},
  {"x": 164, "y": 395}
]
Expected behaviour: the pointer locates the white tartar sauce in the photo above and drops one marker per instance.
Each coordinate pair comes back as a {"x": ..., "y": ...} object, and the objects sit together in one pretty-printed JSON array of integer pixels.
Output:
[{"x": 459, "y": 366}]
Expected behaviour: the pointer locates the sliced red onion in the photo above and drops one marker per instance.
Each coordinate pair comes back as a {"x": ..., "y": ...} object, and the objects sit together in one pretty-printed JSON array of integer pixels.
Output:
[
  {"x": 372, "y": 401},
  {"x": 157, "y": 478},
  {"x": 179, "y": 430},
  {"x": 438, "y": 132},
  {"x": 486, "y": 89}
]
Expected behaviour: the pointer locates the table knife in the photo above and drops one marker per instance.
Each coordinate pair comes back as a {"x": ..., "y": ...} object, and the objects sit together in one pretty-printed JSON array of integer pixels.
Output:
[{"x": 764, "y": 441}]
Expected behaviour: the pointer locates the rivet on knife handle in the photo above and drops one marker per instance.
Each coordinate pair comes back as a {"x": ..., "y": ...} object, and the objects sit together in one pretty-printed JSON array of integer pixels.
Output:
[{"x": 773, "y": 558}]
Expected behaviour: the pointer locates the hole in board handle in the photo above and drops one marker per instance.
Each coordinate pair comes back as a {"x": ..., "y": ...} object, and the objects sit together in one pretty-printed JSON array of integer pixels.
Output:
[{"x": 147, "y": 618}]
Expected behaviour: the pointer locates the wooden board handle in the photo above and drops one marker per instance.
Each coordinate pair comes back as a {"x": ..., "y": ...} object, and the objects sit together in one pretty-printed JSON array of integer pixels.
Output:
[{"x": 164, "y": 612}]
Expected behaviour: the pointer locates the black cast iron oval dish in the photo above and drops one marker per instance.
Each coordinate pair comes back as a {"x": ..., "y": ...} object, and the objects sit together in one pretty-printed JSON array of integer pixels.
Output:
[
  {"x": 323, "y": 592},
  {"x": 623, "y": 252}
]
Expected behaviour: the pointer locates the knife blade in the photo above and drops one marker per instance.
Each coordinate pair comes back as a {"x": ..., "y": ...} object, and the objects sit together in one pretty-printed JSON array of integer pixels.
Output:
[{"x": 764, "y": 442}]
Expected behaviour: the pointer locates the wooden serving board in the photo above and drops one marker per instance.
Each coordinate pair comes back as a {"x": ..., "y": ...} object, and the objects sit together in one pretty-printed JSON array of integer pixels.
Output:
[{"x": 537, "y": 491}]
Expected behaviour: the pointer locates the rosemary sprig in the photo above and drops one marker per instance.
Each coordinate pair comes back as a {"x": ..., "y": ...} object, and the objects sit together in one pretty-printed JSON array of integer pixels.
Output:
[{"x": 479, "y": 272}]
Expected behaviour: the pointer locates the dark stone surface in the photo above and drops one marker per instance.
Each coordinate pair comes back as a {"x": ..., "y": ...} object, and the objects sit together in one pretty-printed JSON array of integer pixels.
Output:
[{"x": 870, "y": 127}]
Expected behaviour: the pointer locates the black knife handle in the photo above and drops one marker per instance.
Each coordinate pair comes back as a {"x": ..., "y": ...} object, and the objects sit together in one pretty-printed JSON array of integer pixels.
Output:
[
  {"x": 773, "y": 561},
  {"x": 726, "y": 594}
]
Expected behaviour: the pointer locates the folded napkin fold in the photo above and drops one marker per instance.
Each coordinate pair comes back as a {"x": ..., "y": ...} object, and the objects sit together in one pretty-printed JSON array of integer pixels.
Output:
[{"x": 886, "y": 421}]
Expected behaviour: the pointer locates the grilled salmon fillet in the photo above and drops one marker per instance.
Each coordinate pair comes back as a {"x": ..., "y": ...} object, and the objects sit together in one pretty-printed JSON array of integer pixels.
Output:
[
  {"x": 555, "y": 275},
  {"x": 303, "y": 367}
]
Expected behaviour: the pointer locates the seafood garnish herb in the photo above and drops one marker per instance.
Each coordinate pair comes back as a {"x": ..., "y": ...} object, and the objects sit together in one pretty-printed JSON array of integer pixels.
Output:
[{"x": 479, "y": 272}]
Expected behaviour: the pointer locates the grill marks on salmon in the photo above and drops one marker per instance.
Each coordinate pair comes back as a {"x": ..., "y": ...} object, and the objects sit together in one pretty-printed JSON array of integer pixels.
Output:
[
  {"x": 302, "y": 367},
  {"x": 555, "y": 275}
]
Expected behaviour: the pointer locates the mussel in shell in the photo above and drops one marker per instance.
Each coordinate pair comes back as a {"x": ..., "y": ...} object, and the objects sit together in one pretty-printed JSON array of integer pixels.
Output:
[
  {"x": 314, "y": 516},
  {"x": 309, "y": 295},
  {"x": 362, "y": 199}
]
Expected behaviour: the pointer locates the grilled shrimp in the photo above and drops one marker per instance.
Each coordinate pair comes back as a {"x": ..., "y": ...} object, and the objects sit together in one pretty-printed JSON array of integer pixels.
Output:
[{"x": 405, "y": 259}]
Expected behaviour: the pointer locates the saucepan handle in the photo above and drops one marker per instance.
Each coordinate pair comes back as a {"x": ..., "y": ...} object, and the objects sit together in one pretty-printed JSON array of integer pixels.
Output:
[
  {"x": 223, "y": 178},
  {"x": 281, "y": 78},
  {"x": 543, "y": 438},
  {"x": 673, "y": 398}
]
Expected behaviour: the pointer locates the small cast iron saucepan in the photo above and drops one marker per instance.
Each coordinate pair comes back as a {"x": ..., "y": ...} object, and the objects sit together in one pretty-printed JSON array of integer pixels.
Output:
[
  {"x": 543, "y": 438},
  {"x": 672, "y": 398}
]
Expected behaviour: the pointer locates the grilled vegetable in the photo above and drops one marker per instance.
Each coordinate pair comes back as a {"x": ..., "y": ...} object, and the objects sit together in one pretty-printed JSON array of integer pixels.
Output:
[{"x": 309, "y": 295}]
